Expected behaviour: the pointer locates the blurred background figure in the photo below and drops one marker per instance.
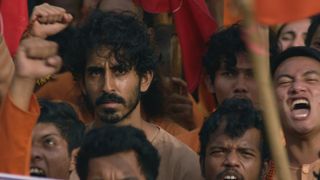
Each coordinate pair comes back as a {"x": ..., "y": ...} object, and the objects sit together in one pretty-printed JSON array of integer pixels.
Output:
[{"x": 293, "y": 34}]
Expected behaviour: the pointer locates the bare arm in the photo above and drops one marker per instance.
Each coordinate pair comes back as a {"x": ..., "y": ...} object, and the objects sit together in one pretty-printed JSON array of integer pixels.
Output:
[{"x": 6, "y": 69}]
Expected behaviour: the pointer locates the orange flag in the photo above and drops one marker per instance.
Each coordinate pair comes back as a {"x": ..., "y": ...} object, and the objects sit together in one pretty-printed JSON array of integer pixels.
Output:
[{"x": 271, "y": 12}]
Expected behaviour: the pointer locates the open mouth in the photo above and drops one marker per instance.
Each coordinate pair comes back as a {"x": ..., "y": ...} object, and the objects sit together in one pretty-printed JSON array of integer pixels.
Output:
[
  {"x": 38, "y": 172},
  {"x": 230, "y": 177},
  {"x": 230, "y": 174},
  {"x": 300, "y": 108}
]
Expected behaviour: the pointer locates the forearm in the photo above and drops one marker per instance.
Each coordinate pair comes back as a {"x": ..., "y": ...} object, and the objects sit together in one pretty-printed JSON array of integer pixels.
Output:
[
  {"x": 6, "y": 69},
  {"x": 21, "y": 91}
]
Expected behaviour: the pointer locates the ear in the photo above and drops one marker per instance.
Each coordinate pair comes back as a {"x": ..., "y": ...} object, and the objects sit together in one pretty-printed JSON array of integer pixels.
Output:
[
  {"x": 146, "y": 80},
  {"x": 209, "y": 84},
  {"x": 74, "y": 154},
  {"x": 72, "y": 170}
]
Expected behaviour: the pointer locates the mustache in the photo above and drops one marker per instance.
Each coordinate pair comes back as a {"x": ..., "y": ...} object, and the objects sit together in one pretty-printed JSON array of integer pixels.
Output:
[
  {"x": 230, "y": 171},
  {"x": 109, "y": 97}
]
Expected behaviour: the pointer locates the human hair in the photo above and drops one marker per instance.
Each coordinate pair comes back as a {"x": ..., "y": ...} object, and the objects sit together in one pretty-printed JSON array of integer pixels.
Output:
[
  {"x": 223, "y": 47},
  {"x": 315, "y": 22},
  {"x": 110, "y": 140},
  {"x": 226, "y": 44},
  {"x": 65, "y": 119},
  {"x": 238, "y": 115},
  {"x": 120, "y": 32},
  {"x": 294, "y": 52}
]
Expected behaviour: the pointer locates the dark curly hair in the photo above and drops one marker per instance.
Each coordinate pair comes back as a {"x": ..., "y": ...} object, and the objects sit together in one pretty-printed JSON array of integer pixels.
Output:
[
  {"x": 65, "y": 119},
  {"x": 239, "y": 116},
  {"x": 110, "y": 140},
  {"x": 121, "y": 32},
  {"x": 224, "y": 46}
]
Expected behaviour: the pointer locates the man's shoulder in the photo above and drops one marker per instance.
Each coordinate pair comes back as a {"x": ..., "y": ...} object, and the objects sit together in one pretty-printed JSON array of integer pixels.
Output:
[
  {"x": 171, "y": 146},
  {"x": 178, "y": 161}
]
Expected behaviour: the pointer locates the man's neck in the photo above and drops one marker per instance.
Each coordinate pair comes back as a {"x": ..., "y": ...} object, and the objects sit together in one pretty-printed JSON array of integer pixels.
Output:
[{"x": 303, "y": 149}]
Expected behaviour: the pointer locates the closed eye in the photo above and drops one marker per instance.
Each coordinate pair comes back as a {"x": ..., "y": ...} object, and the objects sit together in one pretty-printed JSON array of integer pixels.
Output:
[
  {"x": 284, "y": 81},
  {"x": 247, "y": 153}
]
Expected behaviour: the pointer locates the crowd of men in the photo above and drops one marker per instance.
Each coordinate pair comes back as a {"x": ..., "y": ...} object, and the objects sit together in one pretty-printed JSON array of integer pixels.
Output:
[{"x": 86, "y": 98}]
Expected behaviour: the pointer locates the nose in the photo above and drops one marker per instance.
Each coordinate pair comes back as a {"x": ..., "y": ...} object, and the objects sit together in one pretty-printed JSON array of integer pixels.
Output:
[
  {"x": 109, "y": 83},
  {"x": 299, "y": 41},
  {"x": 296, "y": 87},
  {"x": 232, "y": 160},
  {"x": 240, "y": 86},
  {"x": 36, "y": 154}
]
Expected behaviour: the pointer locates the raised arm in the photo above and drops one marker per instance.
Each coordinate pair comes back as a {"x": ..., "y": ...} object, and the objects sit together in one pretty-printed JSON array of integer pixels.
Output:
[{"x": 6, "y": 69}]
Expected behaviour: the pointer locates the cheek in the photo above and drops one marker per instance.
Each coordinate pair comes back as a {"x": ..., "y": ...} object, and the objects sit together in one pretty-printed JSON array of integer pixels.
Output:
[
  {"x": 212, "y": 166},
  {"x": 222, "y": 86},
  {"x": 91, "y": 88},
  {"x": 280, "y": 94},
  {"x": 58, "y": 163},
  {"x": 252, "y": 169}
]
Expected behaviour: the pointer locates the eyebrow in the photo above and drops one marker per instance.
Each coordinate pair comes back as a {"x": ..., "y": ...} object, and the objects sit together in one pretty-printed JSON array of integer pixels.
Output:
[
  {"x": 311, "y": 72},
  {"x": 282, "y": 76},
  {"x": 51, "y": 134},
  {"x": 130, "y": 178},
  {"x": 289, "y": 32},
  {"x": 94, "y": 68},
  {"x": 246, "y": 149}
]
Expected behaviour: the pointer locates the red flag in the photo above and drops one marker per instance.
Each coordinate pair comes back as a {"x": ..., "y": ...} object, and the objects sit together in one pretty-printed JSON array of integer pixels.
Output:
[
  {"x": 15, "y": 20},
  {"x": 280, "y": 11},
  {"x": 194, "y": 26}
]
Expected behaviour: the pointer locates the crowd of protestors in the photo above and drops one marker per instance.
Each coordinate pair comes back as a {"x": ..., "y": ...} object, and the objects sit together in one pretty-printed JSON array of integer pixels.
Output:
[{"x": 89, "y": 94}]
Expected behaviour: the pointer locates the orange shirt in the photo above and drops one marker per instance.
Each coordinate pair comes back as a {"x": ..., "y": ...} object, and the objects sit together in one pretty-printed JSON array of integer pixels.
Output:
[{"x": 16, "y": 136}]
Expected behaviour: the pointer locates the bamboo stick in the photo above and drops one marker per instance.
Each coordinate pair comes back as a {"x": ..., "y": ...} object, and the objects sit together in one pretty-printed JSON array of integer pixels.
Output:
[{"x": 257, "y": 42}]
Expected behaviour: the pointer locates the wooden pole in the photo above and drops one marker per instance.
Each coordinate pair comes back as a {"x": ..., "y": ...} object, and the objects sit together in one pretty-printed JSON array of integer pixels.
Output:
[{"x": 258, "y": 47}]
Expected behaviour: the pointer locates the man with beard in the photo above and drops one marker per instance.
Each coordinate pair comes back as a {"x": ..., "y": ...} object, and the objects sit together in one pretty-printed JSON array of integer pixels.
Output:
[
  {"x": 296, "y": 75},
  {"x": 233, "y": 145},
  {"x": 115, "y": 65}
]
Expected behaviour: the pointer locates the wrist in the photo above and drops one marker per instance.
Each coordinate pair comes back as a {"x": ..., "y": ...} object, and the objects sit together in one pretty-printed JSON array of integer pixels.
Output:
[{"x": 30, "y": 32}]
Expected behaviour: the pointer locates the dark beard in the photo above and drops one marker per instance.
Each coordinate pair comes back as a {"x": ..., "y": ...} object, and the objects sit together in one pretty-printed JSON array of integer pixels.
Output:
[{"x": 110, "y": 116}]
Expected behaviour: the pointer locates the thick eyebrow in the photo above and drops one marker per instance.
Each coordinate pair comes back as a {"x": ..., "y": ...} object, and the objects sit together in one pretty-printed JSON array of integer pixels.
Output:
[{"x": 95, "y": 68}]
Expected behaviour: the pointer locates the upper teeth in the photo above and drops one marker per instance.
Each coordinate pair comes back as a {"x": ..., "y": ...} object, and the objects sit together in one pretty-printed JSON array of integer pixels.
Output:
[
  {"x": 299, "y": 101},
  {"x": 36, "y": 171},
  {"x": 229, "y": 177}
]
